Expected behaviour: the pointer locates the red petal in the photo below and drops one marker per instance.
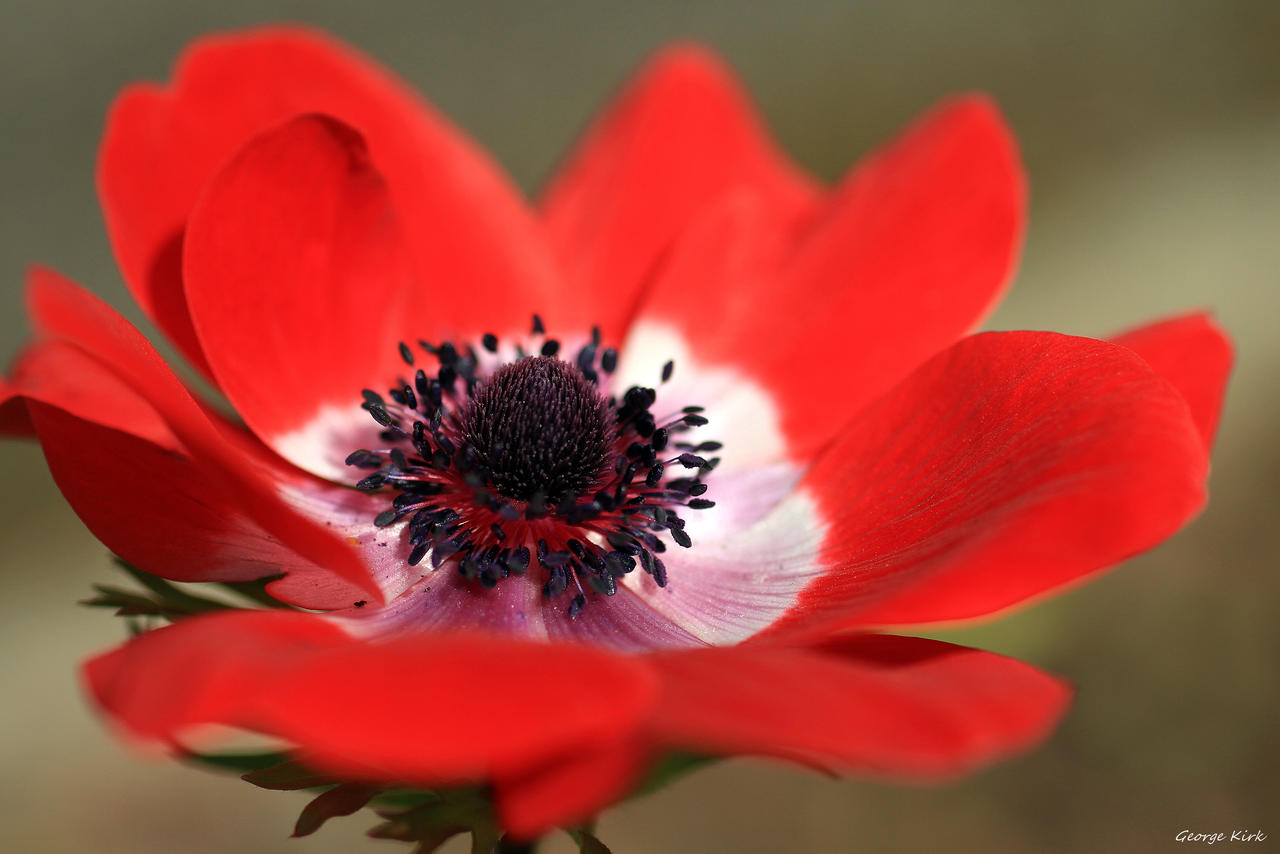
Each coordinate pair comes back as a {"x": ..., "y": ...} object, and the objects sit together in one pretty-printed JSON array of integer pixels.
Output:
[
  {"x": 1005, "y": 467},
  {"x": 675, "y": 140},
  {"x": 60, "y": 309},
  {"x": 473, "y": 239},
  {"x": 60, "y": 374},
  {"x": 195, "y": 672},
  {"x": 419, "y": 709},
  {"x": 157, "y": 508},
  {"x": 905, "y": 707},
  {"x": 911, "y": 250},
  {"x": 1194, "y": 354},
  {"x": 298, "y": 282},
  {"x": 570, "y": 789},
  {"x": 14, "y": 420}
]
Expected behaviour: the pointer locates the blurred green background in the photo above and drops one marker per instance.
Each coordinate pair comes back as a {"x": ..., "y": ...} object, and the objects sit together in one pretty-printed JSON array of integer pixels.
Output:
[{"x": 1152, "y": 134}]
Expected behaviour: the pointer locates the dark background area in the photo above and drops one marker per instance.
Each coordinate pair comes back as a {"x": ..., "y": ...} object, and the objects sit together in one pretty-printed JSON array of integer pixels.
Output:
[{"x": 1151, "y": 131}]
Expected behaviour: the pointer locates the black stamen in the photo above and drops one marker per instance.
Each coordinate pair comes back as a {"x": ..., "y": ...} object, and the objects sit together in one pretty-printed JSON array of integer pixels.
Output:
[
  {"x": 586, "y": 357},
  {"x": 373, "y": 481}
]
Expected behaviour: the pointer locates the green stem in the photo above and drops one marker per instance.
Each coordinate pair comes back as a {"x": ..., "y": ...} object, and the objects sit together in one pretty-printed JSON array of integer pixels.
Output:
[{"x": 510, "y": 846}]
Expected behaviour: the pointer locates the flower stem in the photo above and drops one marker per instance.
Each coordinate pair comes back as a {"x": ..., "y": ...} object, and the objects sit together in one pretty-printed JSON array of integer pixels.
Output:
[{"x": 507, "y": 845}]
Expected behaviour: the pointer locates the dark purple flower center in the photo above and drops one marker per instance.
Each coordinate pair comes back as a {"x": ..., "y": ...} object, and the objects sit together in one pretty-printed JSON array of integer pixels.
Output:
[
  {"x": 532, "y": 461},
  {"x": 537, "y": 425}
]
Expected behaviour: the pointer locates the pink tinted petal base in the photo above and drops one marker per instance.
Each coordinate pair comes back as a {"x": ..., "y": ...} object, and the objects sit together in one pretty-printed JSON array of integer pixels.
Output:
[
  {"x": 746, "y": 568},
  {"x": 729, "y": 587},
  {"x": 442, "y": 600},
  {"x": 347, "y": 513}
]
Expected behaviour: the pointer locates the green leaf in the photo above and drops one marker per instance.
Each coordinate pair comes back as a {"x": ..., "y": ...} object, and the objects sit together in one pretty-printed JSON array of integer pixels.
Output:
[
  {"x": 256, "y": 591},
  {"x": 393, "y": 799},
  {"x": 483, "y": 840},
  {"x": 586, "y": 840},
  {"x": 590, "y": 844},
  {"x": 287, "y": 776},
  {"x": 127, "y": 603},
  {"x": 341, "y": 800},
  {"x": 170, "y": 596},
  {"x": 158, "y": 598},
  {"x": 238, "y": 763},
  {"x": 668, "y": 769},
  {"x": 441, "y": 817}
]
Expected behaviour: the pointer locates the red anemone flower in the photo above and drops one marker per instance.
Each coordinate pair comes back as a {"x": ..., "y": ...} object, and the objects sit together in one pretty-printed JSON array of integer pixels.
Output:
[{"x": 640, "y": 465}]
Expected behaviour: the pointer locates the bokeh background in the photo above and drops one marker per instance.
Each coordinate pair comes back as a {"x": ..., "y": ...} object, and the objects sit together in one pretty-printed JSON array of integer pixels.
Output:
[{"x": 1151, "y": 131}]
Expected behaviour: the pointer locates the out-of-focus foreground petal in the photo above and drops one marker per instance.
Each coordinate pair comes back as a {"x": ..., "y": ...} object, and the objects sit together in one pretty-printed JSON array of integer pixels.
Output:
[
  {"x": 422, "y": 709},
  {"x": 904, "y": 707}
]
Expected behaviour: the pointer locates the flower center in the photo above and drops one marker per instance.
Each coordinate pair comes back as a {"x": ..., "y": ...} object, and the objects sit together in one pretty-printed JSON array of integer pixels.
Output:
[
  {"x": 499, "y": 463},
  {"x": 537, "y": 425}
]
